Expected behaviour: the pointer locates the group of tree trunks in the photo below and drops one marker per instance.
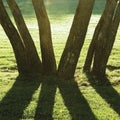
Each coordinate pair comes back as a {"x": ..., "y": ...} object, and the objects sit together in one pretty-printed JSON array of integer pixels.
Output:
[
  {"x": 27, "y": 58},
  {"x": 103, "y": 39}
]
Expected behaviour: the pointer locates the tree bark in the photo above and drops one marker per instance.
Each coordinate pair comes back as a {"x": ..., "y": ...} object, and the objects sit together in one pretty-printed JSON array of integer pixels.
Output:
[
  {"x": 13, "y": 36},
  {"x": 91, "y": 50},
  {"x": 48, "y": 57},
  {"x": 106, "y": 37},
  {"x": 75, "y": 39},
  {"x": 103, "y": 39},
  {"x": 33, "y": 61},
  {"x": 25, "y": 68}
]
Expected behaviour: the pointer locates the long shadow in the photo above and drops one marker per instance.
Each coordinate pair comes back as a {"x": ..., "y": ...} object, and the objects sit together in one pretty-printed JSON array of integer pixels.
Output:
[
  {"x": 44, "y": 110},
  {"x": 111, "y": 68},
  {"x": 17, "y": 99},
  {"x": 106, "y": 91},
  {"x": 77, "y": 105}
]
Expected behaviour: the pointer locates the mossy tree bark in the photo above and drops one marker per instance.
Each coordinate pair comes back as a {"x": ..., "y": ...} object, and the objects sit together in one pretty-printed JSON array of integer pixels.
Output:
[{"x": 75, "y": 39}]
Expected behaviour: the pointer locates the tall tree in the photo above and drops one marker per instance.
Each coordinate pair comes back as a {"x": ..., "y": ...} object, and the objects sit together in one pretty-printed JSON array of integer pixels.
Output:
[
  {"x": 21, "y": 52},
  {"x": 25, "y": 51},
  {"x": 32, "y": 59},
  {"x": 103, "y": 39},
  {"x": 48, "y": 57},
  {"x": 26, "y": 55},
  {"x": 75, "y": 39}
]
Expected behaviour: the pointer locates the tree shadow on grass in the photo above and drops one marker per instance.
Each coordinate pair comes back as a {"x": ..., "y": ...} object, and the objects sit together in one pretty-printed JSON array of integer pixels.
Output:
[
  {"x": 111, "y": 67},
  {"x": 77, "y": 105},
  {"x": 106, "y": 91},
  {"x": 73, "y": 99},
  {"x": 20, "y": 95},
  {"x": 17, "y": 99},
  {"x": 44, "y": 110}
]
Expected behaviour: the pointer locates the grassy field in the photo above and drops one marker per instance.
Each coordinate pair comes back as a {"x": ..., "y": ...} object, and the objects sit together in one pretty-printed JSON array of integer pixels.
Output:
[{"x": 50, "y": 98}]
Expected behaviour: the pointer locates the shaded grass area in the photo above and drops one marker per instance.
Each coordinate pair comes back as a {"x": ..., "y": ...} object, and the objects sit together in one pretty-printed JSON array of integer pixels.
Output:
[
  {"x": 16, "y": 100},
  {"x": 107, "y": 92},
  {"x": 54, "y": 99},
  {"x": 49, "y": 98}
]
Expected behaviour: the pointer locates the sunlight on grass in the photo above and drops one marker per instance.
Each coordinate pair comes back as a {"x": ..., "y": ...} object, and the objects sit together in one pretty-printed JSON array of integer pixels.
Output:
[
  {"x": 60, "y": 110},
  {"x": 5, "y": 86},
  {"x": 30, "y": 110},
  {"x": 68, "y": 99},
  {"x": 96, "y": 102}
]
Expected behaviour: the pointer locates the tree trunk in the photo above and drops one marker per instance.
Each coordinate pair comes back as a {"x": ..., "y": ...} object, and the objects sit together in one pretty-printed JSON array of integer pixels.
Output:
[
  {"x": 91, "y": 50},
  {"x": 33, "y": 61},
  {"x": 106, "y": 37},
  {"x": 48, "y": 58},
  {"x": 103, "y": 39},
  {"x": 75, "y": 39},
  {"x": 19, "y": 48},
  {"x": 13, "y": 36}
]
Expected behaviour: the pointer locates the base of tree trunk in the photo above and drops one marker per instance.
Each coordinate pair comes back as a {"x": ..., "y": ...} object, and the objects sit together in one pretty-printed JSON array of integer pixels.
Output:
[
  {"x": 97, "y": 80},
  {"x": 29, "y": 76}
]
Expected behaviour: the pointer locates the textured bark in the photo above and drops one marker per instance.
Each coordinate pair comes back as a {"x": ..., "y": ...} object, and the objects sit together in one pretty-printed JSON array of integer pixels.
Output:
[
  {"x": 13, "y": 36},
  {"x": 75, "y": 39},
  {"x": 48, "y": 58},
  {"x": 91, "y": 50},
  {"x": 26, "y": 64},
  {"x": 33, "y": 61},
  {"x": 106, "y": 37},
  {"x": 103, "y": 39},
  {"x": 26, "y": 55}
]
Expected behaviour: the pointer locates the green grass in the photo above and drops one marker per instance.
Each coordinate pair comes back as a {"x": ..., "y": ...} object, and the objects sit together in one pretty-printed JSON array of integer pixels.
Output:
[{"x": 47, "y": 98}]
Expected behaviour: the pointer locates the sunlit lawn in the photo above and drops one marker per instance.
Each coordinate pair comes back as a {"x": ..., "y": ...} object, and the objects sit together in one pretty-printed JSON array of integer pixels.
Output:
[{"x": 41, "y": 98}]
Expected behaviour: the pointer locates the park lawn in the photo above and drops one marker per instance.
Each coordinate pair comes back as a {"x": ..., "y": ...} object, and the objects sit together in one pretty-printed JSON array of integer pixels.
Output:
[{"x": 81, "y": 98}]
